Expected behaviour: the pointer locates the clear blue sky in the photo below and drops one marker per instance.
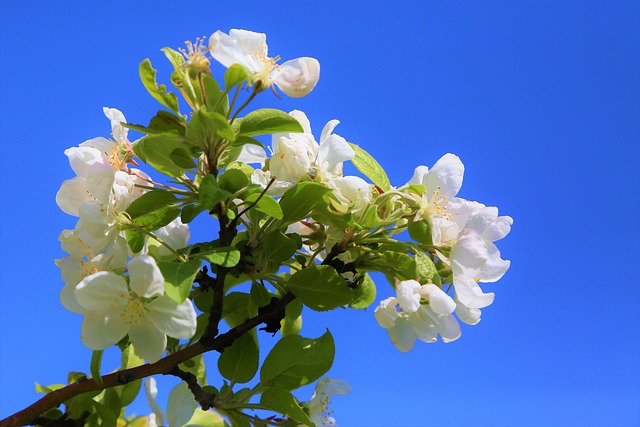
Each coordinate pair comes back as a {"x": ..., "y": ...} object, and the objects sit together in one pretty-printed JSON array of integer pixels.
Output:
[{"x": 540, "y": 99}]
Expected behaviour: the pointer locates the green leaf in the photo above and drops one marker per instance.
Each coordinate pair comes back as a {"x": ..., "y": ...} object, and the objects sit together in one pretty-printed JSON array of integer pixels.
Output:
[
  {"x": 96, "y": 361},
  {"x": 175, "y": 57},
  {"x": 158, "y": 218},
  {"x": 178, "y": 278},
  {"x": 260, "y": 295},
  {"x": 280, "y": 400},
  {"x": 420, "y": 231},
  {"x": 163, "y": 123},
  {"x": 320, "y": 288},
  {"x": 295, "y": 361},
  {"x": 426, "y": 270},
  {"x": 233, "y": 180},
  {"x": 237, "y": 308},
  {"x": 189, "y": 213},
  {"x": 298, "y": 201},
  {"x": 196, "y": 366},
  {"x": 370, "y": 168},
  {"x": 215, "y": 99},
  {"x": 156, "y": 150},
  {"x": 227, "y": 257},
  {"x": 159, "y": 92},
  {"x": 244, "y": 140},
  {"x": 135, "y": 239},
  {"x": 268, "y": 121},
  {"x": 292, "y": 322},
  {"x": 236, "y": 74},
  {"x": 181, "y": 157},
  {"x": 265, "y": 205},
  {"x": 48, "y": 389},
  {"x": 278, "y": 247},
  {"x": 239, "y": 363},
  {"x": 210, "y": 193},
  {"x": 150, "y": 202},
  {"x": 365, "y": 293}
]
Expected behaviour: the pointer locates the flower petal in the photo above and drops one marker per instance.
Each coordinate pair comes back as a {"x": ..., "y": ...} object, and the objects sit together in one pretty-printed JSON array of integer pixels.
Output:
[
  {"x": 332, "y": 152},
  {"x": 151, "y": 391},
  {"x": 118, "y": 131},
  {"x": 102, "y": 329},
  {"x": 102, "y": 291},
  {"x": 148, "y": 342},
  {"x": 145, "y": 278},
  {"x": 495, "y": 266},
  {"x": 439, "y": 301},
  {"x": 175, "y": 320},
  {"x": 468, "y": 255},
  {"x": 386, "y": 313},
  {"x": 297, "y": 77},
  {"x": 402, "y": 334},
  {"x": 408, "y": 292},
  {"x": 470, "y": 294},
  {"x": 251, "y": 153},
  {"x": 445, "y": 176},
  {"x": 72, "y": 194}
]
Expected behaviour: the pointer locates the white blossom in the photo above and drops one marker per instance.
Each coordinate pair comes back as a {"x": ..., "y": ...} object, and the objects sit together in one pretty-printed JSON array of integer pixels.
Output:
[
  {"x": 319, "y": 411},
  {"x": 141, "y": 310},
  {"x": 296, "y": 77}
]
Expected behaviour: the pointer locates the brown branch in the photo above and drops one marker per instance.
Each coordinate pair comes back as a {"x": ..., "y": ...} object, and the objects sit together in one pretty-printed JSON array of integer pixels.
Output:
[
  {"x": 163, "y": 366},
  {"x": 204, "y": 399}
]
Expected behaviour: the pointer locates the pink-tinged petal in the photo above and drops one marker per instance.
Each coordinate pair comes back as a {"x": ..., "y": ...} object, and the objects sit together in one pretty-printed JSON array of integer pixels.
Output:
[
  {"x": 72, "y": 194},
  {"x": 470, "y": 316},
  {"x": 445, "y": 176},
  {"x": 439, "y": 301},
  {"x": 419, "y": 176},
  {"x": 468, "y": 255},
  {"x": 148, "y": 342},
  {"x": 402, "y": 335},
  {"x": 297, "y": 77},
  {"x": 470, "y": 294},
  {"x": 495, "y": 267},
  {"x": 117, "y": 130},
  {"x": 145, "y": 278},
  {"x": 102, "y": 291},
  {"x": 175, "y": 320},
  {"x": 102, "y": 329},
  {"x": 386, "y": 313},
  {"x": 408, "y": 292}
]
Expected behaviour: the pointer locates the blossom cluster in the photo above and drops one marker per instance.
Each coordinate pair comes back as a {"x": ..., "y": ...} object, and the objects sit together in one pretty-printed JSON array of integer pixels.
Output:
[
  {"x": 468, "y": 231},
  {"x": 117, "y": 297}
]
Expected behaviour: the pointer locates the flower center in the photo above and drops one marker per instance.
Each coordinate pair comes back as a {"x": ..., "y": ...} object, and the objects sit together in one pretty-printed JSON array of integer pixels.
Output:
[
  {"x": 133, "y": 311},
  {"x": 196, "y": 55},
  {"x": 438, "y": 205},
  {"x": 268, "y": 65}
]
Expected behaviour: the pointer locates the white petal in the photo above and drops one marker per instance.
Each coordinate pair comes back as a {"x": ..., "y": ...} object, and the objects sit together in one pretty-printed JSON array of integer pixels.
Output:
[
  {"x": 423, "y": 326},
  {"x": 470, "y": 294},
  {"x": 290, "y": 161},
  {"x": 72, "y": 194},
  {"x": 102, "y": 291},
  {"x": 402, "y": 334},
  {"x": 445, "y": 176},
  {"x": 330, "y": 386},
  {"x": 94, "y": 219},
  {"x": 151, "y": 391},
  {"x": 102, "y": 329},
  {"x": 495, "y": 266},
  {"x": 408, "y": 292},
  {"x": 175, "y": 320},
  {"x": 302, "y": 118},
  {"x": 386, "y": 313},
  {"x": 181, "y": 406},
  {"x": 237, "y": 48},
  {"x": 148, "y": 342},
  {"x": 470, "y": 316},
  {"x": 145, "y": 278},
  {"x": 439, "y": 301},
  {"x": 352, "y": 191},
  {"x": 468, "y": 255},
  {"x": 82, "y": 159},
  {"x": 117, "y": 130},
  {"x": 419, "y": 176},
  {"x": 500, "y": 227},
  {"x": 103, "y": 145},
  {"x": 446, "y": 325},
  {"x": 332, "y": 152},
  {"x": 252, "y": 153},
  {"x": 328, "y": 129},
  {"x": 297, "y": 77},
  {"x": 100, "y": 180}
]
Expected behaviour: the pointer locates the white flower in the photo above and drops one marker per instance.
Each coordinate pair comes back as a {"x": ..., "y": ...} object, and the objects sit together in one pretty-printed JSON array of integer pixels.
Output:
[
  {"x": 351, "y": 191},
  {"x": 319, "y": 411},
  {"x": 140, "y": 310},
  {"x": 416, "y": 320},
  {"x": 175, "y": 234},
  {"x": 296, "y": 77}
]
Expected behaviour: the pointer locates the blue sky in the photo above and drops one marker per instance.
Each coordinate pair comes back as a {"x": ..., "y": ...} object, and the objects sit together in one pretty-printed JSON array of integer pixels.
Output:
[{"x": 540, "y": 99}]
